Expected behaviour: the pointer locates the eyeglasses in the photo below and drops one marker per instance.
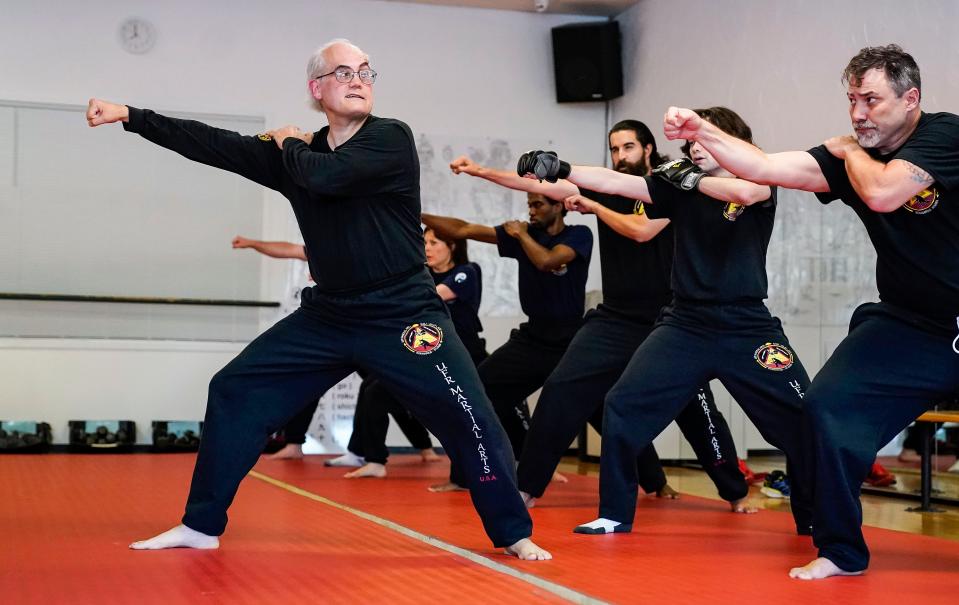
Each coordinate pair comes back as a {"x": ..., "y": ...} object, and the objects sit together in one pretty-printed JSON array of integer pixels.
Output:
[{"x": 345, "y": 75}]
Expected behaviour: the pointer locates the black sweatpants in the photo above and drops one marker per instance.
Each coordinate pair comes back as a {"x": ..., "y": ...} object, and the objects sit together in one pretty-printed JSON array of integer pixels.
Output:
[
  {"x": 574, "y": 394},
  {"x": 741, "y": 345},
  {"x": 891, "y": 368},
  {"x": 375, "y": 404},
  {"x": 401, "y": 334},
  {"x": 515, "y": 371},
  {"x": 371, "y": 422}
]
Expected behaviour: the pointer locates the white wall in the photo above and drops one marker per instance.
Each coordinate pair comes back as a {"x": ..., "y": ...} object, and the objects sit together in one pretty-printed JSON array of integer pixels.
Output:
[
  {"x": 467, "y": 72},
  {"x": 778, "y": 64}
]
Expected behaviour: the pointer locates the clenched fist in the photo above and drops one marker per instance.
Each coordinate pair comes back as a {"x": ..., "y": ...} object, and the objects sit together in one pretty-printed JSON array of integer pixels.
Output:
[{"x": 103, "y": 112}]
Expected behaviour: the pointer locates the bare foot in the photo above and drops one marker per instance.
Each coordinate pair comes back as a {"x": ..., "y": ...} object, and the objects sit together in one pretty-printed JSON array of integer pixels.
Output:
[
  {"x": 557, "y": 478},
  {"x": 743, "y": 506},
  {"x": 820, "y": 568},
  {"x": 667, "y": 492},
  {"x": 370, "y": 469},
  {"x": 290, "y": 451},
  {"x": 525, "y": 550},
  {"x": 428, "y": 455},
  {"x": 446, "y": 487},
  {"x": 528, "y": 500},
  {"x": 180, "y": 536}
]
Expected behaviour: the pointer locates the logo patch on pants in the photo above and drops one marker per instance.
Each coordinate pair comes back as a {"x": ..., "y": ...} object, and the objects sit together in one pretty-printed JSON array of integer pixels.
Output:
[
  {"x": 422, "y": 339},
  {"x": 774, "y": 356}
]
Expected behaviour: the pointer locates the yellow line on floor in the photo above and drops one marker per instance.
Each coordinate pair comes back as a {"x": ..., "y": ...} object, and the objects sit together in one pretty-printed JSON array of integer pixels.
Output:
[{"x": 556, "y": 589}]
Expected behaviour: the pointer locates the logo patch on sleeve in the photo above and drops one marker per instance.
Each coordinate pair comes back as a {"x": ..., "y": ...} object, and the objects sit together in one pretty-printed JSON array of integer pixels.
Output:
[
  {"x": 923, "y": 202},
  {"x": 422, "y": 339},
  {"x": 732, "y": 210},
  {"x": 264, "y": 137},
  {"x": 459, "y": 277},
  {"x": 639, "y": 208},
  {"x": 774, "y": 356}
]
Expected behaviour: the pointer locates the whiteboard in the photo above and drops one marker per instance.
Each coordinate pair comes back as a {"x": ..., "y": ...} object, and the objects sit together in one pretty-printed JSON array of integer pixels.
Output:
[{"x": 105, "y": 212}]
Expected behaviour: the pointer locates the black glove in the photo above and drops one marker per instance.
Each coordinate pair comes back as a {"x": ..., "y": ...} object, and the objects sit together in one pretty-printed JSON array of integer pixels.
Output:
[
  {"x": 544, "y": 164},
  {"x": 681, "y": 174}
]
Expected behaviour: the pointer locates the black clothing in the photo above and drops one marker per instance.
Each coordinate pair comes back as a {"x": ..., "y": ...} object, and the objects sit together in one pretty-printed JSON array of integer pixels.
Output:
[
  {"x": 720, "y": 247},
  {"x": 466, "y": 281},
  {"x": 635, "y": 277},
  {"x": 901, "y": 355},
  {"x": 635, "y": 288},
  {"x": 557, "y": 296},
  {"x": 357, "y": 207},
  {"x": 716, "y": 327},
  {"x": 375, "y": 403},
  {"x": 374, "y": 308},
  {"x": 917, "y": 245},
  {"x": 574, "y": 394}
]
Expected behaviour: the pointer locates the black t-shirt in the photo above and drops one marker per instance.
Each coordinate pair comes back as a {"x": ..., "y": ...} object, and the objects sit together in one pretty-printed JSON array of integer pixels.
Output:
[
  {"x": 358, "y": 207},
  {"x": 917, "y": 245},
  {"x": 466, "y": 281},
  {"x": 721, "y": 246},
  {"x": 551, "y": 296},
  {"x": 635, "y": 275}
]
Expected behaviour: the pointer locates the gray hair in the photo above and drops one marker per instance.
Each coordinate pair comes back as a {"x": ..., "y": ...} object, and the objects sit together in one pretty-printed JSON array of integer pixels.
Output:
[
  {"x": 318, "y": 66},
  {"x": 898, "y": 65}
]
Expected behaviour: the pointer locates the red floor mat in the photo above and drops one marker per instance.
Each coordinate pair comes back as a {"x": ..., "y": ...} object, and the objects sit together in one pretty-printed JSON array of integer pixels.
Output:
[
  {"x": 686, "y": 551},
  {"x": 66, "y": 520}
]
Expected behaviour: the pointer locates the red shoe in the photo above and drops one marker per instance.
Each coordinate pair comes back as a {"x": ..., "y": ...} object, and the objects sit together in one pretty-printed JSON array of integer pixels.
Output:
[
  {"x": 879, "y": 476},
  {"x": 751, "y": 477}
]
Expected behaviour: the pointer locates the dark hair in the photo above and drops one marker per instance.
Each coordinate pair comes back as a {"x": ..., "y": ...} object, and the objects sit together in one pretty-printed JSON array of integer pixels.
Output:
[
  {"x": 726, "y": 120},
  {"x": 898, "y": 65},
  {"x": 459, "y": 253},
  {"x": 645, "y": 137},
  {"x": 548, "y": 200}
]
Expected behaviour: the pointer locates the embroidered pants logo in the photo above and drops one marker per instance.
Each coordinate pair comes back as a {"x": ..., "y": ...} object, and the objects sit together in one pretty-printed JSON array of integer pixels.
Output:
[
  {"x": 422, "y": 339},
  {"x": 713, "y": 439},
  {"x": 774, "y": 356},
  {"x": 463, "y": 401}
]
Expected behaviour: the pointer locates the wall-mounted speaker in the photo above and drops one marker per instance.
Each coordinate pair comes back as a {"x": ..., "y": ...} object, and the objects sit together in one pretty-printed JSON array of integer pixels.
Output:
[{"x": 588, "y": 62}]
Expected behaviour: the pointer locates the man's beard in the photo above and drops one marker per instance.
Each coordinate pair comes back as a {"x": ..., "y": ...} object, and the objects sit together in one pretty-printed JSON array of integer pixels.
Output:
[
  {"x": 869, "y": 138},
  {"x": 633, "y": 168}
]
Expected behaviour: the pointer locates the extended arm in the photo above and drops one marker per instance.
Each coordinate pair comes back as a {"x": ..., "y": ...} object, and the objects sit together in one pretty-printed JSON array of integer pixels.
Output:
[
  {"x": 734, "y": 190},
  {"x": 559, "y": 190},
  {"x": 609, "y": 181},
  {"x": 252, "y": 157},
  {"x": 637, "y": 227},
  {"x": 454, "y": 228},
  {"x": 792, "y": 169},
  {"x": 273, "y": 249}
]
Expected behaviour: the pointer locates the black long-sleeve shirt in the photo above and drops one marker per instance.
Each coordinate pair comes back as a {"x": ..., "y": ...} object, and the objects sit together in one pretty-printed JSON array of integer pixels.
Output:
[{"x": 358, "y": 206}]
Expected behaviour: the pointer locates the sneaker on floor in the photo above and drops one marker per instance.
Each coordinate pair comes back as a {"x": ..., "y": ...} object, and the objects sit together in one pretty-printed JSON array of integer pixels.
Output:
[
  {"x": 752, "y": 478},
  {"x": 879, "y": 476},
  {"x": 776, "y": 485}
]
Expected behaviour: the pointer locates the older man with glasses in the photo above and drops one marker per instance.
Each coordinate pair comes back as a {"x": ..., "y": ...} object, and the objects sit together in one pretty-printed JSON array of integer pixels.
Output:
[{"x": 354, "y": 187}]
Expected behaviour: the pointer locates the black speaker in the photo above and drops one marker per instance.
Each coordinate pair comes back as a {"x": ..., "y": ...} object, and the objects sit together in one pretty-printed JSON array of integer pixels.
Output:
[{"x": 587, "y": 61}]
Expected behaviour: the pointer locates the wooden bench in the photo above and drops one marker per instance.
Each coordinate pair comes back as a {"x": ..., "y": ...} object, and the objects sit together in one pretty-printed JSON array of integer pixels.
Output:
[{"x": 926, "y": 424}]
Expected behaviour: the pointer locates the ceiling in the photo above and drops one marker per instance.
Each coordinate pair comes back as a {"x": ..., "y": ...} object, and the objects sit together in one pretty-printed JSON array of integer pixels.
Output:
[{"x": 600, "y": 8}]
